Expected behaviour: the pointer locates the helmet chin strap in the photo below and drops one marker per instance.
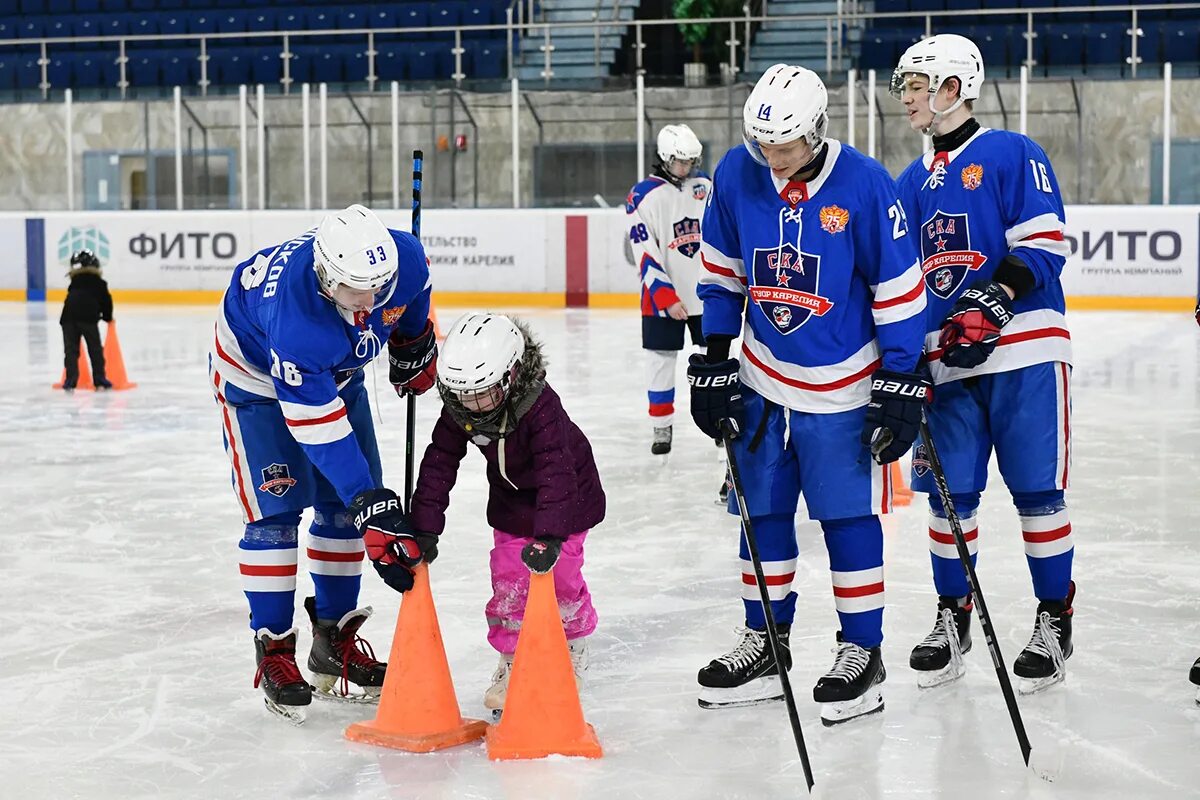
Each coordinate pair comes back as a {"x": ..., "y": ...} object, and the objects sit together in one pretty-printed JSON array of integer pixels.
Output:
[{"x": 939, "y": 115}]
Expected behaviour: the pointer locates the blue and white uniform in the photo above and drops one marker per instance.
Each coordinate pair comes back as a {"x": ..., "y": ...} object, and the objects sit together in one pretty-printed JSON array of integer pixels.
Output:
[
  {"x": 287, "y": 371},
  {"x": 969, "y": 208},
  {"x": 821, "y": 282}
]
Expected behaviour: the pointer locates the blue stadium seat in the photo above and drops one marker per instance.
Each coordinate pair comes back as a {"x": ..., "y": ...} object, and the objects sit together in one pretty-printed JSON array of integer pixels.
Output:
[
  {"x": 429, "y": 61},
  {"x": 382, "y": 17},
  {"x": 227, "y": 3},
  {"x": 489, "y": 61},
  {"x": 1103, "y": 15},
  {"x": 10, "y": 8},
  {"x": 8, "y": 28},
  {"x": 261, "y": 20},
  {"x": 390, "y": 63},
  {"x": 96, "y": 68},
  {"x": 171, "y": 24},
  {"x": 476, "y": 15},
  {"x": 1062, "y": 48},
  {"x": 291, "y": 19},
  {"x": 232, "y": 21},
  {"x": 1149, "y": 46},
  {"x": 114, "y": 6},
  {"x": 142, "y": 5},
  {"x": 58, "y": 71},
  {"x": 143, "y": 70},
  {"x": 265, "y": 65},
  {"x": 445, "y": 15},
  {"x": 59, "y": 7},
  {"x": 993, "y": 46},
  {"x": 350, "y": 17},
  {"x": 87, "y": 6},
  {"x": 85, "y": 26},
  {"x": 1180, "y": 45},
  {"x": 327, "y": 66},
  {"x": 320, "y": 19},
  {"x": 413, "y": 15},
  {"x": 58, "y": 26},
  {"x": 1106, "y": 47},
  {"x": 354, "y": 63},
  {"x": 33, "y": 6},
  {"x": 927, "y": 5},
  {"x": 171, "y": 5},
  {"x": 180, "y": 69},
  {"x": 143, "y": 25},
  {"x": 31, "y": 28},
  {"x": 304, "y": 57},
  {"x": 202, "y": 22},
  {"x": 8, "y": 72},
  {"x": 112, "y": 25},
  {"x": 29, "y": 72},
  {"x": 229, "y": 66}
]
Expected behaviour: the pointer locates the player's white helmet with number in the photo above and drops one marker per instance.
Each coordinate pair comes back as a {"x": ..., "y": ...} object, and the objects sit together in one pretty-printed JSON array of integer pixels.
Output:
[
  {"x": 354, "y": 248},
  {"x": 946, "y": 55},
  {"x": 479, "y": 360},
  {"x": 788, "y": 103},
  {"x": 679, "y": 143}
]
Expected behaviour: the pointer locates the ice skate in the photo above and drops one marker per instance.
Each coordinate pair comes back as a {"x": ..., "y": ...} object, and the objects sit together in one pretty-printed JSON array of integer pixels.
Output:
[
  {"x": 662, "y": 441},
  {"x": 287, "y": 693},
  {"x": 341, "y": 661},
  {"x": 938, "y": 658},
  {"x": 747, "y": 675},
  {"x": 851, "y": 687},
  {"x": 493, "y": 698},
  {"x": 1194, "y": 677},
  {"x": 1043, "y": 661},
  {"x": 102, "y": 384}
]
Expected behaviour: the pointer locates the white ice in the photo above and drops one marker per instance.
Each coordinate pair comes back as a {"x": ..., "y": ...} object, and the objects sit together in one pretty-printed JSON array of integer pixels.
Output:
[{"x": 126, "y": 662}]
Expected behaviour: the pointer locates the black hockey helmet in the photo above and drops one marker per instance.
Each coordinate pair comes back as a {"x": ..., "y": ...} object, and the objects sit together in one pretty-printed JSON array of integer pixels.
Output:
[{"x": 84, "y": 258}]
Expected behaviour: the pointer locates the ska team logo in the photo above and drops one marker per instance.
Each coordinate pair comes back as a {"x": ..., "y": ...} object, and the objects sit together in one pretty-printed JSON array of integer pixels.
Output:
[
  {"x": 75, "y": 239},
  {"x": 946, "y": 255},
  {"x": 686, "y": 235},
  {"x": 277, "y": 479},
  {"x": 785, "y": 286}
]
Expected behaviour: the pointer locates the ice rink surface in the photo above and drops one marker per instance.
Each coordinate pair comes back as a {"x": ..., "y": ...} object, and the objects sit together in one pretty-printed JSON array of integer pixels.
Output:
[{"x": 126, "y": 663}]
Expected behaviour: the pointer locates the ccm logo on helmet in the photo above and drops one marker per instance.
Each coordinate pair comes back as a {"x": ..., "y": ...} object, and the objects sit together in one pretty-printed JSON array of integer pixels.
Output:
[
  {"x": 375, "y": 509},
  {"x": 712, "y": 381},
  {"x": 916, "y": 391}
]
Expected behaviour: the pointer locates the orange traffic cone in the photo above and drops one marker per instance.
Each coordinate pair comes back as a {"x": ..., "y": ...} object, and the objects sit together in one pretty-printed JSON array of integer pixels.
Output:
[
  {"x": 901, "y": 494},
  {"x": 114, "y": 362},
  {"x": 85, "y": 373},
  {"x": 542, "y": 715},
  {"x": 418, "y": 710}
]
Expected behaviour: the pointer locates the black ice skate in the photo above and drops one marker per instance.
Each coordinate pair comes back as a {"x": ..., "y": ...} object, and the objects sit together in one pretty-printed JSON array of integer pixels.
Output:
[
  {"x": 1194, "y": 677},
  {"x": 662, "y": 441},
  {"x": 285, "y": 688},
  {"x": 938, "y": 659},
  {"x": 747, "y": 675},
  {"x": 340, "y": 657},
  {"x": 1043, "y": 661},
  {"x": 851, "y": 687}
]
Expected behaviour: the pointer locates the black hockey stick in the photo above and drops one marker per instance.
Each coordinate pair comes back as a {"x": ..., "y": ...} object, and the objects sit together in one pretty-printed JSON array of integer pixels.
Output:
[
  {"x": 410, "y": 405},
  {"x": 985, "y": 619},
  {"x": 735, "y": 479}
]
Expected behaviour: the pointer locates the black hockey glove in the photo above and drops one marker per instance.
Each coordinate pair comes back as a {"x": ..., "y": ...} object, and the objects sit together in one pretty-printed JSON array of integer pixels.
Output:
[
  {"x": 970, "y": 333},
  {"x": 541, "y": 555},
  {"x": 392, "y": 544},
  {"x": 894, "y": 413},
  {"x": 716, "y": 396},
  {"x": 413, "y": 362}
]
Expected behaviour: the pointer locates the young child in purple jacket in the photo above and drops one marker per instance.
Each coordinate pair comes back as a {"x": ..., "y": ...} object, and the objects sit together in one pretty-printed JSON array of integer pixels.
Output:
[{"x": 542, "y": 477}]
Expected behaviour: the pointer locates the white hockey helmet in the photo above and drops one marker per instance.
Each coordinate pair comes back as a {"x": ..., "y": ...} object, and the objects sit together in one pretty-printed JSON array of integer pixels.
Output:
[
  {"x": 787, "y": 103},
  {"x": 354, "y": 248},
  {"x": 479, "y": 361},
  {"x": 946, "y": 55},
  {"x": 680, "y": 143}
]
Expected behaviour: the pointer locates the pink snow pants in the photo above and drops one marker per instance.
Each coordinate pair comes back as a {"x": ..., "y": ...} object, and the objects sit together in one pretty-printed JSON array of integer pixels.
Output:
[{"x": 510, "y": 589}]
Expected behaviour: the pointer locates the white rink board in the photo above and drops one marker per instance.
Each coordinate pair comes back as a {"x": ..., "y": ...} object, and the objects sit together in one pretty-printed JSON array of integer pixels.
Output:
[{"x": 1138, "y": 251}]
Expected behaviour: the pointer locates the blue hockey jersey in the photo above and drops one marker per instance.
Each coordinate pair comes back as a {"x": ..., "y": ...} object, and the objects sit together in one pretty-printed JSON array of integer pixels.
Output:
[
  {"x": 279, "y": 338},
  {"x": 969, "y": 208},
  {"x": 833, "y": 285}
]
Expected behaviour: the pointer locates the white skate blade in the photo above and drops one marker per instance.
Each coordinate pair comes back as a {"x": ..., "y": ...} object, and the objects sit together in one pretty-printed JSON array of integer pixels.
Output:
[
  {"x": 871, "y": 702},
  {"x": 931, "y": 679},
  {"x": 752, "y": 693},
  {"x": 1029, "y": 686},
  {"x": 293, "y": 714},
  {"x": 328, "y": 687}
]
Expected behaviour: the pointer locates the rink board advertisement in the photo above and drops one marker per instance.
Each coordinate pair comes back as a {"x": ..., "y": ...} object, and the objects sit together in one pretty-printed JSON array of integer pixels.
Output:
[
  {"x": 1121, "y": 256},
  {"x": 169, "y": 251},
  {"x": 1132, "y": 251}
]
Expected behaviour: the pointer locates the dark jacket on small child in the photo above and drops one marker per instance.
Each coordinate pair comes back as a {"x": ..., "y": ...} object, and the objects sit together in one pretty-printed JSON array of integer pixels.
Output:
[
  {"x": 88, "y": 299},
  {"x": 540, "y": 467}
]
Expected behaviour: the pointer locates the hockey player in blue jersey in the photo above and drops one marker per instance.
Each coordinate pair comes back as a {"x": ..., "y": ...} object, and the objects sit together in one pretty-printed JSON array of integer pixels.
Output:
[
  {"x": 807, "y": 257},
  {"x": 296, "y": 327},
  {"x": 987, "y": 219}
]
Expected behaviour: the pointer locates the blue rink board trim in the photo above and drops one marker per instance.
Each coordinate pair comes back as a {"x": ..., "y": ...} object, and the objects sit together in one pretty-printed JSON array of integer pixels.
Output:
[{"x": 35, "y": 259}]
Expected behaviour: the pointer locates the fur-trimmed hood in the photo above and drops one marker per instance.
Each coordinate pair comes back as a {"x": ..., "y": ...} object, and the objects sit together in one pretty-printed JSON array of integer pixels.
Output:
[
  {"x": 75, "y": 273},
  {"x": 526, "y": 388}
]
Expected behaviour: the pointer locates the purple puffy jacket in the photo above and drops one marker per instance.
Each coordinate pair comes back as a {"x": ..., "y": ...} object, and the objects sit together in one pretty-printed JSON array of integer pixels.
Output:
[{"x": 543, "y": 483}]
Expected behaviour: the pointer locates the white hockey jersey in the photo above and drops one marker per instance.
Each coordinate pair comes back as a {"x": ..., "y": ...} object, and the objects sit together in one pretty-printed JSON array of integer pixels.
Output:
[{"x": 664, "y": 230}]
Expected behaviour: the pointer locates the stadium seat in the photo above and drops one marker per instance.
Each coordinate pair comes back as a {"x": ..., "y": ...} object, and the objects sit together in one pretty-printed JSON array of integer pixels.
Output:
[
  {"x": 413, "y": 15},
  {"x": 474, "y": 14},
  {"x": 179, "y": 69},
  {"x": 58, "y": 27},
  {"x": 31, "y": 28},
  {"x": 87, "y": 6},
  {"x": 29, "y": 72},
  {"x": 33, "y": 7},
  {"x": 59, "y": 7},
  {"x": 445, "y": 15},
  {"x": 8, "y": 72},
  {"x": 429, "y": 61},
  {"x": 382, "y": 17},
  {"x": 1062, "y": 49},
  {"x": 172, "y": 24},
  {"x": 96, "y": 69},
  {"x": 143, "y": 25},
  {"x": 58, "y": 71},
  {"x": 351, "y": 17},
  {"x": 390, "y": 63},
  {"x": 1180, "y": 45},
  {"x": 265, "y": 65},
  {"x": 291, "y": 19},
  {"x": 143, "y": 71},
  {"x": 1106, "y": 47},
  {"x": 993, "y": 42},
  {"x": 261, "y": 20},
  {"x": 202, "y": 22},
  {"x": 114, "y": 6},
  {"x": 489, "y": 61},
  {"x": 229, "y": 66},
  {"x": 231, "y": 20},
  {"x": 354, "y": 63}
]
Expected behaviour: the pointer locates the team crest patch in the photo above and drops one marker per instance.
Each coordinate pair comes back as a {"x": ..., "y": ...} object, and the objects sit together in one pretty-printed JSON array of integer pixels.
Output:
[
  {"x": 785, "y": 287},
  {"x": 699, "y": 191},
  {"x": 920, "y": 460},
  {"x": 686, "y": 236},
  {"x": 972, "y": 176},
  {"x": 392, "y": 315},
  {"x": 277, "y": 479},
  {"x": 946, "y": 255},
  {"x": 834, "y": 219}
]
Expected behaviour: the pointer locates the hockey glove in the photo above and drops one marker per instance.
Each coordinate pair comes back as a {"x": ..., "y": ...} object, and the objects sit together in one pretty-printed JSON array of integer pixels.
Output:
[
  {"x": 716, "y": 396},
  {"x": 894, "y": 413},
  {"x": 541, "y": 555},
  {"x": 970, "y": 333},
  {"x": 413, "y": 362},
  {"x": 392, "y": 544}
]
